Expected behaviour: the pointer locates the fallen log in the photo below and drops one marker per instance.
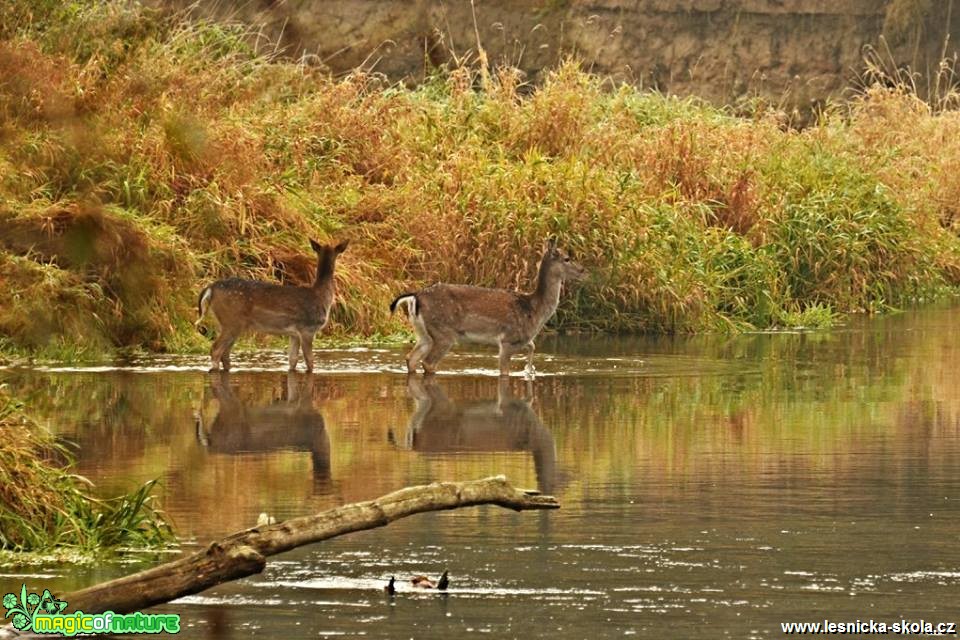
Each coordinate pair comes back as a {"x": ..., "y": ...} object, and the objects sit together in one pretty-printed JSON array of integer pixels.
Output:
[{"x": 245, "y": 553}]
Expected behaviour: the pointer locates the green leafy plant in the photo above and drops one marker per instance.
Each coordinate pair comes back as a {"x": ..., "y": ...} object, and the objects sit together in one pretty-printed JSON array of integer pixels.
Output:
[{"x": 45, "y": 507}]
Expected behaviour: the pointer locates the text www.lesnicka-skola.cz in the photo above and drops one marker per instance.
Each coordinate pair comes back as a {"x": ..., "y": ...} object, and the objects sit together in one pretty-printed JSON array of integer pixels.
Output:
[{"x": 867, "y": 627}]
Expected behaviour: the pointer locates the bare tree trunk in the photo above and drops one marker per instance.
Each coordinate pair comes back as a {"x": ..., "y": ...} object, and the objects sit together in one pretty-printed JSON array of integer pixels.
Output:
[{"x": 244, "y": 553}]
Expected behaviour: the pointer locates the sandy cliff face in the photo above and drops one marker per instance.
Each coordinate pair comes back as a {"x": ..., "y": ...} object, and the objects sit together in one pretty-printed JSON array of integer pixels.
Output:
[{"x": 719, "y": 49}]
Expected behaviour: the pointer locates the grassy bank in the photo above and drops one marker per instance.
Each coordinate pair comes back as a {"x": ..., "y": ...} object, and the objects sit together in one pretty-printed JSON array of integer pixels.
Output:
[
  {"x": 143, "y": 155},
  {"x": 46, "y": 509}
]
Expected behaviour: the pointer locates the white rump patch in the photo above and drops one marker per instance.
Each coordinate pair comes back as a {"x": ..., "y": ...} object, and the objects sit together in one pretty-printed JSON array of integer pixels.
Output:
[{"x": 410, "y": 302}]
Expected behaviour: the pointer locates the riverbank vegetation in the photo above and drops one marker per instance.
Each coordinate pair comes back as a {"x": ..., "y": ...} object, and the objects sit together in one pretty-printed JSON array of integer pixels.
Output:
[
  {"x": 48, "y": 511},
  {"x": 143, "y": 154}
]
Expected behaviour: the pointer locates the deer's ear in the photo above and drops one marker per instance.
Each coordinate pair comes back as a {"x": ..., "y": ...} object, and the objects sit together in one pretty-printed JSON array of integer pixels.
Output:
[
  {"x": 316, "y": 245},
  {"x": 551, "y": 245},
  {"x": 340, "y": 248}
]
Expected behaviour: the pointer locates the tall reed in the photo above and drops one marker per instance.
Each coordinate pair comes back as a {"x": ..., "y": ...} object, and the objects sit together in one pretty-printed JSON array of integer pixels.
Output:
[{"x": 144, "y": 154}]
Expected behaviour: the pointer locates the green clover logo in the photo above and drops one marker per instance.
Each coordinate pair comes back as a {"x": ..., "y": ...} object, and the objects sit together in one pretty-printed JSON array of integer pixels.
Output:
[
  {"x": 19, "y": 608},
  {"x": 29, "y": 605},
  {"x": 21, "y": 622}
]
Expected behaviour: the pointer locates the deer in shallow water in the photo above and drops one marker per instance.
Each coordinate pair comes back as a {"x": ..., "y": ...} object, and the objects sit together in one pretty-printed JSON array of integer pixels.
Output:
[
  {"x": 243, "y": 306},
  {"x": 444, "y": 314}
]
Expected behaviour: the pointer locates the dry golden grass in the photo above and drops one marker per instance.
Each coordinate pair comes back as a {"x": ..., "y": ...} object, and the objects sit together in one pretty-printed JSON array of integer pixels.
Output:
[{"x": 143, "y": 155}]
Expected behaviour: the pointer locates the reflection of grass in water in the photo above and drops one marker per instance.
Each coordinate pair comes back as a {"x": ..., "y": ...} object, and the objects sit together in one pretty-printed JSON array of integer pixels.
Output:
[
  {"x": 819, "y": 395},
  {"x": 46, "y": 508}
]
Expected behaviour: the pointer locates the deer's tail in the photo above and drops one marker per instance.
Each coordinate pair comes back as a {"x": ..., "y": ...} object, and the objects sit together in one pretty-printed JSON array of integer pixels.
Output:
[
  {"x": 203, "y": 303},
  {"x": 409, "y": 299}
]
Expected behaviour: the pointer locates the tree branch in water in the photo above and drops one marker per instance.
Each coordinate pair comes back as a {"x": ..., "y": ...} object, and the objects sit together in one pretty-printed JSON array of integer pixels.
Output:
[{"x": 245, "y": 553}]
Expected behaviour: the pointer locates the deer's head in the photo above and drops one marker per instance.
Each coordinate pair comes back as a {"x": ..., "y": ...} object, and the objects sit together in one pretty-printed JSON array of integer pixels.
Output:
[
  {"x": 559, "y": 264},
  {"x": 327, "y": 259},
  {"x": 336, "y": 250}
]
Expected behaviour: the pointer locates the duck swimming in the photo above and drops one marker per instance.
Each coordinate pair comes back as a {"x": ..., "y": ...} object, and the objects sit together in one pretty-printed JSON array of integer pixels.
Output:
[{"x": 423, "y": 582}]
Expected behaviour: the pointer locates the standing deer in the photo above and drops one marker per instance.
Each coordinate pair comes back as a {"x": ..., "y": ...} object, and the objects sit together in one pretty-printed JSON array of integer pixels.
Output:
[
  {"x": 252, "y": 305},
  {"x": 444, "y": 314}
]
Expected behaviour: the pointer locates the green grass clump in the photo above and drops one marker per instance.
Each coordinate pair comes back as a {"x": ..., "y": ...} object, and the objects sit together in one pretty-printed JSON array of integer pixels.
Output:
[
  {"x": 143, "y": 154},
  {"x": 44, "y": 508}
]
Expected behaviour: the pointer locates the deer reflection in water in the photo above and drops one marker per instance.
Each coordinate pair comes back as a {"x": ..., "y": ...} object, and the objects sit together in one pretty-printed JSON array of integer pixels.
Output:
[
  {"x": 245, "y": 426},
  {"x": 507, "y": 423}
]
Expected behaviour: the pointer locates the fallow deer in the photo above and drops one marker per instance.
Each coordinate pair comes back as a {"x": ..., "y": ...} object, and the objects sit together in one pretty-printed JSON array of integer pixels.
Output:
[
  {"x": 242, "y": 306},
  {"x": 444, "y": 314}
]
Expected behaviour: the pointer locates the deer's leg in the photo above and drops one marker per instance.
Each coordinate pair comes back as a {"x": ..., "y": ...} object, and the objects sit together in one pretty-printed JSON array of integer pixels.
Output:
[
  {"x": 294, "y": 352},
  {"x": 306, "y": 343},
  {"x": 505, "y": 352},
  {"x": 530, "y": 368},
  {"x": 423, "y": 346},
  {"x": 215, "y": 355},
  {"x": 441, "y": 345},
  {"x": 220, "y": 352},
  {"x": 417, "y": 354},
  {"x": 225, "y": 358}
]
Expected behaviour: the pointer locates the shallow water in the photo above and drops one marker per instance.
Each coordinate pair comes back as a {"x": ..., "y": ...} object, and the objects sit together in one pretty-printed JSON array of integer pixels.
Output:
[{"x": 709, "y": 486}]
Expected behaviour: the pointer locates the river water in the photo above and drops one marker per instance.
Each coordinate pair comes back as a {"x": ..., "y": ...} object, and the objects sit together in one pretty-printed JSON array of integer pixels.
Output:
[{"x": 710, "y": 487}]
